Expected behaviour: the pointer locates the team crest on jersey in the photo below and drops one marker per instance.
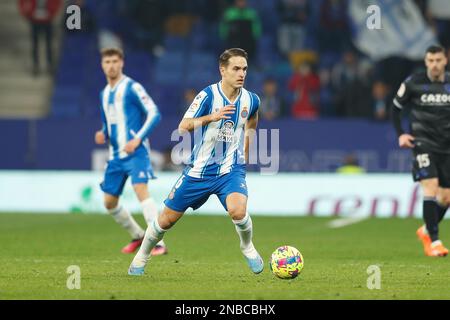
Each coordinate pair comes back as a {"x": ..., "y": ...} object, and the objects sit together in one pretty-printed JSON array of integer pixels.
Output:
[
  {"x": 172, "y": 194},
  {"x": 226, "y": 133},
  {"x": 244, "y": 113}
]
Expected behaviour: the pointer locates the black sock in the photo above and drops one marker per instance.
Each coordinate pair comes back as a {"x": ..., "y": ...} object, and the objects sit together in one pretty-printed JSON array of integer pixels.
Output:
[
  {"x": 430, "y": 216},
  {"x": 441, "y": 210}
]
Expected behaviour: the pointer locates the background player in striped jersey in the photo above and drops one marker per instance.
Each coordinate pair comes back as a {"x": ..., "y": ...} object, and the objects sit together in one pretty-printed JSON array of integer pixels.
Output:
[
  {"x": 129, "y": 115},
  {"x": 224, "y": 114}
]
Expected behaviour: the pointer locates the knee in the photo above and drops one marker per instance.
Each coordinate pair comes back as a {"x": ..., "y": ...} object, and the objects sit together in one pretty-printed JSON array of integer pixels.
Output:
[
  {"x": 110, "y": 204},
  {"x": 164, "y": 222},
  {"x": 167, "y": 221},
  {"x": 237, "y": 212},
  {"x": 445, "y": 199},
  {"x": 430, "y": 189}
]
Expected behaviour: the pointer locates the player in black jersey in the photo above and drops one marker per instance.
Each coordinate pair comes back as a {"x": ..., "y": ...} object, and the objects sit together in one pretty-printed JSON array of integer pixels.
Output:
[{"x": 426, "y": 95}]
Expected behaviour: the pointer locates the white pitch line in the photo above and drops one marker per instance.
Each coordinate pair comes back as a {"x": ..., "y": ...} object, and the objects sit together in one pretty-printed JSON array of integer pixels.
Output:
[{"x": 344, "y": 222}]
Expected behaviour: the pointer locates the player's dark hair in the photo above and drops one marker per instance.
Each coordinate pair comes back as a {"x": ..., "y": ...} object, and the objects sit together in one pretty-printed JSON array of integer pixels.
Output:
[
  {"x": 435, "y": 49},
  {"x": 109, "y": 52},
  {"x": 228, "y": 54}
]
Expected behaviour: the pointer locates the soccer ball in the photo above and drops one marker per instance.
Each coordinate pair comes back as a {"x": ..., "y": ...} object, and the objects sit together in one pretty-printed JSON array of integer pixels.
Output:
[{"x": 286, "y": 262}]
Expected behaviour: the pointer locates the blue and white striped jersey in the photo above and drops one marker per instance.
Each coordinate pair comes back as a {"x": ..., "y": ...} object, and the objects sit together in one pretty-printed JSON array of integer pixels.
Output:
[
  {"x": 219, "y": 147},
  {"x": 127, "y": 112}
]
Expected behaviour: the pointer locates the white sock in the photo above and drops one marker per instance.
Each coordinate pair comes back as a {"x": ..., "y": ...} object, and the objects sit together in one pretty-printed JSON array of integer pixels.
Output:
[
  {"x": 244, "y": 229},
  {"x": 153, "y": 235},
  {"x": 150, "y": 210},
  {"x": 124, "y": 218}
]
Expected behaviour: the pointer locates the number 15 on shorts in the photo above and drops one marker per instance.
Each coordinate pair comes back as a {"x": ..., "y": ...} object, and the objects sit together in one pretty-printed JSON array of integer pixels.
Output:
[{"x": 423, "y": 160}]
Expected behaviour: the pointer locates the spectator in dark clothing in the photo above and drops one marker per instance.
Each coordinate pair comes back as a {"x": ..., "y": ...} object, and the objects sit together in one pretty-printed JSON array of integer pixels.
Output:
[
  {"x": 41, "y": 14},
  {"x": 334, "y": 31},
  {"x": 380, "y": 98},
  {"x": 351, "y": 83},
  {"x": 345, "y": 71},
  {"x": 210, "y": 11},
  {"x": 272, "y": 104},
  {"x": 354, "y": 100},
  {"x": 292, "y": 30},
  {"x": 149, "y": 16},
  {"x": 350, "y": 68},
  {"x": 241, "y": 28}
]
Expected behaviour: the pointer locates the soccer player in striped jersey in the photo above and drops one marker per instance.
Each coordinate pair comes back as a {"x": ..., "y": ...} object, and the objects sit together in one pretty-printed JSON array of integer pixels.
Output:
[
  {"x": 225, "y": 114},
  {"x": 129, "y": 115}
]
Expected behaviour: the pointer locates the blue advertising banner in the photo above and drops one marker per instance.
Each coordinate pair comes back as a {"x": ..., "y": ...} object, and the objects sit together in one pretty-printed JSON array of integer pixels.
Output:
[{"x": 304, "y": 146}]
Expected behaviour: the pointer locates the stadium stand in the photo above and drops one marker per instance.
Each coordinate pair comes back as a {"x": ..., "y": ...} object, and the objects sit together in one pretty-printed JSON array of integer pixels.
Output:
[
  {"x": 185, "y": 59},
  {"x": 21, "y": 95}
]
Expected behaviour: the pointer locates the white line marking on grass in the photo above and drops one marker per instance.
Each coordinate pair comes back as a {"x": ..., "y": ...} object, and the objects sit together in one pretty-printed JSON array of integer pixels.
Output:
[{"x": 344, "y": 222}]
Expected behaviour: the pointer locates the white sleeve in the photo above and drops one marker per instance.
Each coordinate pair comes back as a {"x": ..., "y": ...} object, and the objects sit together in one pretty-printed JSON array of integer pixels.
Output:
[
  {"x": 198, "y": 107},
  {"x": 149, "y": 107}
]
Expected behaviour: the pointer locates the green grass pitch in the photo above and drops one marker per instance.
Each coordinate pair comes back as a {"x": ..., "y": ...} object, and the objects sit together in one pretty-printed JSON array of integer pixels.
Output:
[{"x": 204, "y": 260}]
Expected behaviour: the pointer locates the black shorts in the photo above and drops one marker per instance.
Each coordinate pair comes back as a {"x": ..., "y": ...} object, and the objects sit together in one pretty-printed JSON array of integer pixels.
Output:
[{"x": 428, "y": 165}]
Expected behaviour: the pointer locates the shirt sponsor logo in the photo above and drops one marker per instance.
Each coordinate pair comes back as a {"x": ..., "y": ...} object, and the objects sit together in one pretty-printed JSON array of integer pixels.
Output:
[
  {"x": 196, "y": 103},
  {"x": 435, "y": 98},
  {"x": 194, "y": 107},
  {"x": 112, "y": 114},
  {"x": 226, "y": 133}
]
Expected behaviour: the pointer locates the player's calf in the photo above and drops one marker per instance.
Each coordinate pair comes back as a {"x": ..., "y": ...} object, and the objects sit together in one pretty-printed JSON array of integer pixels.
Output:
[
  {"x": 168, "y": 218},
  {"x": 430, "y": 216},
  {"x": 124, "y": 219}
]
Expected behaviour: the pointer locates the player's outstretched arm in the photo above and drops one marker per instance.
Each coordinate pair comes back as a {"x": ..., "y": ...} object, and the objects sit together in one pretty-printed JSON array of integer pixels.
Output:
[{"x": 190, "y": 124}]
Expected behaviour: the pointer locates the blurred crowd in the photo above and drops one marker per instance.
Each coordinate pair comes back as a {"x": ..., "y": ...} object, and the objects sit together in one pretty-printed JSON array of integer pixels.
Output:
[{"x": 307, "y": 66}]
